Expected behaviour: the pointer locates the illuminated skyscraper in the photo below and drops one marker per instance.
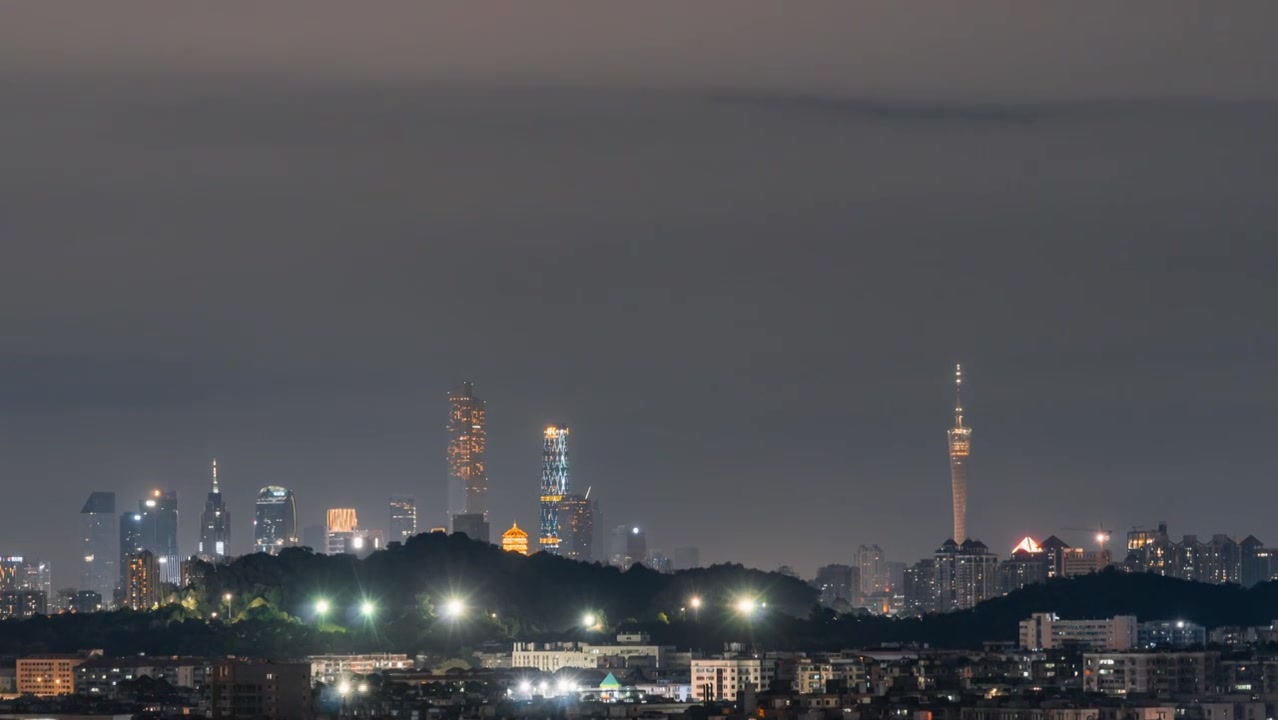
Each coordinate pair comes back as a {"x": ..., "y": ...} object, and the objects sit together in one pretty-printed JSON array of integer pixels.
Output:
[
  {"x": 577, "y": 513},
  {"x": 274, "y": 520},
  {"x": 142, "y": 578},
  {"x": 467, "y": 479},
  {"x": 403, "y": 517},
  {"x": 554, "y": 485},
  {"x": 98, "y": 544},
  {"x": 215, "y": 525},
  {"x": 160, "y": 533},
  {"x": 341, "y": 531},
  {"x": 960, "y": 446}
]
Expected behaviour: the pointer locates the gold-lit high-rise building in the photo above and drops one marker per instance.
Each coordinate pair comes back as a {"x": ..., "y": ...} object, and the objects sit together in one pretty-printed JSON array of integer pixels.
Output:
[
  {"x": 515, "y": 540},
  {"x": 142, "y": 580},
  {"x": 960, "y": 447},
  {"x": 467, "y": 439}
]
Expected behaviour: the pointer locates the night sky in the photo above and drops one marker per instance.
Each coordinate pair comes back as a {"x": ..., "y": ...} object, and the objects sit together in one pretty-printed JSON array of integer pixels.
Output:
[{"x": 736, "y": 246}]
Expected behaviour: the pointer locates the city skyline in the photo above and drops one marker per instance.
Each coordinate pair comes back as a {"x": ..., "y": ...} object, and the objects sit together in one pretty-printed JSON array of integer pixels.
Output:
[{"x": 741, "y": 277}]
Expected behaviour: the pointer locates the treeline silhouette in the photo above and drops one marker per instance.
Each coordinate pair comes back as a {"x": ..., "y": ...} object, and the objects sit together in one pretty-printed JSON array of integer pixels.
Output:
[{"x": 270, "y": 606}]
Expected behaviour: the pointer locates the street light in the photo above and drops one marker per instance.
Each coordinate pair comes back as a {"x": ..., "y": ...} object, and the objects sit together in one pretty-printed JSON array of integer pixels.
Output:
[
  {"x": 454, "y": 608},
  {"x": 695, "y": 602},
  {"x": 321, "y": 607},
  {"x": 590, "y": 621},
  {"x": 746, "y": 606},
  {"x": 344, "y": 688},
  {"x": 367, "y": 608}
]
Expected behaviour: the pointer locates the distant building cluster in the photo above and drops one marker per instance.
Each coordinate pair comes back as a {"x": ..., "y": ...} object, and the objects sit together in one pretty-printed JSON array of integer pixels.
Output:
[
  {"x": 1061, "y": 669},
  {"x": 134, "y": 558}
]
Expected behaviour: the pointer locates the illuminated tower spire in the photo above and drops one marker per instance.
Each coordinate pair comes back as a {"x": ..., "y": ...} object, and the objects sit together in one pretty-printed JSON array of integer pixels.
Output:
[
  {"x": 960, "y": 446},
  {"x": 215, "y": 525}
]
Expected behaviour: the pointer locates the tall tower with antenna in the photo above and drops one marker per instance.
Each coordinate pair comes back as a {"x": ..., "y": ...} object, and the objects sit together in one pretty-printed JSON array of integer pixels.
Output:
[
  {"x": 215, "y": 525},
  {"x": 960, "y": 446}
]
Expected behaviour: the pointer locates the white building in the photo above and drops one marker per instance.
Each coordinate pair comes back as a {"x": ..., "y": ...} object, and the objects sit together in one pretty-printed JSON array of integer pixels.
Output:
[
  {"x": 716, "y": 679},
  {"x": 629, "y": 650},
  {"x": 1046, "y": 631},
  {"x": 1167, "y": 673},
  {"x": 329, "y": 668}
]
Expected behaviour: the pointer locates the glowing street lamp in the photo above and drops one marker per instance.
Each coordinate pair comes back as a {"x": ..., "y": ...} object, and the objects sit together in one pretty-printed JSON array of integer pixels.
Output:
[
  {"x": 747, "y": 606},
  {"x": 695, "y": 602},
  {"x": 590, "y": 621},
  {"x": 368, "y": 609},
  {"x": 344, "y": 688},
  {"x": 321, "y": 607},
  {"x": 454, "y": 608}
]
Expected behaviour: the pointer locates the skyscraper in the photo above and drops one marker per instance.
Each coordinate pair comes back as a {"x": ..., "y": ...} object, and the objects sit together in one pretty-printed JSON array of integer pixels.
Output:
[
  {"x": 403, "y": 517},
  {"x": 472, "y": 525},
  {"x": 130, "y": 543},
  {"x": 215, "y": 525},
  {"x": 142, "y": 578},
  {"x": 274, "y": 520},
  {"x": 872, "y": 568},
  {"x": 577, "y": 513},
  {"x": 629, "y": 546},
  {"x": 98, "y": 544},
  {"x": 340, "y": 531},
  {"x": 554, "y": 485},
  {"x": 160, "y": 533},
  {"x": 467, "y": 438},
  {"x": 960, "y": 446}
]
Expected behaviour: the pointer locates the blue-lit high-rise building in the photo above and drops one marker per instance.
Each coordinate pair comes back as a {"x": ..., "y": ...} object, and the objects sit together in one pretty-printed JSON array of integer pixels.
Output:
[
  {"x": 554, "y": 485},
  {"x": 215, "y": 525},
  {"x": 275, "y": 521},
  {"x": 98, "y": 544}
]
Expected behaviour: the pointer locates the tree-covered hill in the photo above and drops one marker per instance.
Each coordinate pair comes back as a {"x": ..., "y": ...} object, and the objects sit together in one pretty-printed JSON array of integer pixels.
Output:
[{"x": 443, "y": 593}]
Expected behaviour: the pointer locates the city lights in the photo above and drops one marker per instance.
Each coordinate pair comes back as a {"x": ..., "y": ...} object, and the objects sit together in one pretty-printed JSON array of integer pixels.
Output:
[
  {"x": 321, "y": 607},
  {"x": 564, "y": 687},
  {"x": 367, "y": 608},
  {"x": 589, "y": 621},
  {"x": 695, "y": 602},
  {"x": 344, "y": 688},
  {"x": 747, "y": 605}
]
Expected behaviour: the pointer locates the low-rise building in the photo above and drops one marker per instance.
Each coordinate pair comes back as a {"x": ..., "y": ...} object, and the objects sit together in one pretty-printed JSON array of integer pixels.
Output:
[
  {"x": 274, "y": 691},
  {"x": 1170, "y": 634},
  {"x": 104, "y": 675},
  {"x": 47, "y": 675},
  {"x": 1046, "y": 631},
  {"x": 329, "y": 668},
  {"x": 628, "y": 651},
  {"x": 1160, "y": 673},
  {"x": 722, "y": 678}
]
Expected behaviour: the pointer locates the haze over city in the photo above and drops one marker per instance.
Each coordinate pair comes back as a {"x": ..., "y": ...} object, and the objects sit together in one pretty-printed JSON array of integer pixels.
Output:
[{"x": 738, "y": 250}]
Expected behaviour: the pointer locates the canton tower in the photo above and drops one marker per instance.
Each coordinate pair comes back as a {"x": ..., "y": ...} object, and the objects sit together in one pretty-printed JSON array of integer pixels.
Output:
[{"x": 960, "y": 446}]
